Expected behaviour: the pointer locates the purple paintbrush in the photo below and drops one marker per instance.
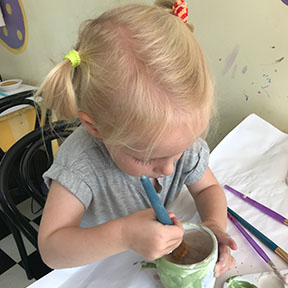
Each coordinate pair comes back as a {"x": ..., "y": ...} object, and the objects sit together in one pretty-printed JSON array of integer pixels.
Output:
[
  {"x": 258, "y": 205},
  {"x": 258, "y": 249}
]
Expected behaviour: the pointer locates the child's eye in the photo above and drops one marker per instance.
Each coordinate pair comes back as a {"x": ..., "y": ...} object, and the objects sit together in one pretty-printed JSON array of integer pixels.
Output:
[{"x": 143, "y": 162}]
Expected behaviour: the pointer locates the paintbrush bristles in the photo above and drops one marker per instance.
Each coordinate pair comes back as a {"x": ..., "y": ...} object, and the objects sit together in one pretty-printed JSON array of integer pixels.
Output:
[
  {"x": 280, "y": 252},
  {"x": 286, "y": 222},
  {"x": 277, "y": 273},
  {"x": 180, "y": 251}
]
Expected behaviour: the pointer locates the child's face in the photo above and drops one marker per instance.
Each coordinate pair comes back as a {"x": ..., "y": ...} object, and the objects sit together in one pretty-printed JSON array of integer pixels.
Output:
[{"x": 162, "y": 159}]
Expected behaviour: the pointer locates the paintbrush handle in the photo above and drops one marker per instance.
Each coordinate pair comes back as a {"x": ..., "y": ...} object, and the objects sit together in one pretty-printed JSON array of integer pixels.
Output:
[
  {"x": 281, "y": 253},
  {"x": 270, "y": 244},
  {"x": 253, "y": 230},
  {"x": 277, "y": 273},
  {"x": 155, "y": 201},
  {"x": 257, "y": 248},
  {"x": 258, "y": 205}
]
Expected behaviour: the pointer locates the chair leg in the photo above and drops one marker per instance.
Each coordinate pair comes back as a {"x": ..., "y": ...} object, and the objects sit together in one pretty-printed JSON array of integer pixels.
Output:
[{"x": 21, "y": 248}]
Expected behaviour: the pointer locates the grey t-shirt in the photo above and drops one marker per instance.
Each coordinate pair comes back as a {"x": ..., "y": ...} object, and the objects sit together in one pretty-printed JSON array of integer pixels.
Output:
[{"x": 84, "y": 167}]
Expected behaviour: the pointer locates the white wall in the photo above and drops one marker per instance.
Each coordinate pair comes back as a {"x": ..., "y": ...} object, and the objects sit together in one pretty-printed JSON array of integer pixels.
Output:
[
  {"x": 254, "y": 34},
  {"x": 235, "y": 35}
]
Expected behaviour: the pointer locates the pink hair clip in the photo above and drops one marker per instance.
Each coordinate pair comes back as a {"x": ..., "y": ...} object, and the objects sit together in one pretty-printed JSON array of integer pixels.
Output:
[{"x": 180, "y": 9}]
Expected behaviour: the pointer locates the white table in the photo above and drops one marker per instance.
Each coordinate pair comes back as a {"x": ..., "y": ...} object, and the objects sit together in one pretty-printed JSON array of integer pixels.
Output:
[{"x": 252, "y": 158}]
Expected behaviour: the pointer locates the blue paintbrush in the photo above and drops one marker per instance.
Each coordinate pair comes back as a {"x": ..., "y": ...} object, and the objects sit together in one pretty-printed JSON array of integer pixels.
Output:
[{"x": 161, "y": 213}]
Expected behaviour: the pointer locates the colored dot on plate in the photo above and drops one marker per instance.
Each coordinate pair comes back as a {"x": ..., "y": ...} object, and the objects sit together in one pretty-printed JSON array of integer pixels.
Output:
[
  {"x": 5, "y": 31},
  {"x": 8, "y": 9},
  {"x": 19, "y": 35}
]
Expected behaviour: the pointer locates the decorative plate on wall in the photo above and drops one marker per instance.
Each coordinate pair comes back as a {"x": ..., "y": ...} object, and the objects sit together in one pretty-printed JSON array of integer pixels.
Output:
[{"x": 14, "y": 35}]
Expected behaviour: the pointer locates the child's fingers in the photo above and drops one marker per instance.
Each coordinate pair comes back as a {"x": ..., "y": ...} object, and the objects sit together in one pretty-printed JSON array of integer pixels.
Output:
[
  {"x": 225, "y": 239},
  {"x": 171, "y": 215},
  {"x": 225, "y": 256},
  {"x": 228, "y": 241},
  {"x": 222, "y": 266},
  {"x": 226, "y": 261},
  {"x": 175, "y": 220}
]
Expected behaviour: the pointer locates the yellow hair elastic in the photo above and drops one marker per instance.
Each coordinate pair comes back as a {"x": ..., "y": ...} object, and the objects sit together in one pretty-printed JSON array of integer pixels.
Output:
[
  {"x": 73, "y": 57},
  {"x": 180, "y": 9}
]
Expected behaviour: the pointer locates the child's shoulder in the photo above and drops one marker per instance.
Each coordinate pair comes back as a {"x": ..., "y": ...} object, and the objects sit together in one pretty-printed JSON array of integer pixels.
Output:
[
  {"x": 199, "y": 149},
  {"x": 198, "y": 145},
  {"x": 81, "y": 144},
  {"x": 80, "y": 140}
]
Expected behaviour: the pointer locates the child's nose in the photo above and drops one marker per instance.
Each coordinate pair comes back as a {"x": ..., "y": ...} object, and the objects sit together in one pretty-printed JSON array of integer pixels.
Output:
[{"x": 164, "y": 167}]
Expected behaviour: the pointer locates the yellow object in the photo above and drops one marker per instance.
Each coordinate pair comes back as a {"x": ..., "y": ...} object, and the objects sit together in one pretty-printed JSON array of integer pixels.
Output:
[
  {"x": 15, "y": 125},
  {"x": 73, "y": 57},
  {"x": 180, "y": 10}
]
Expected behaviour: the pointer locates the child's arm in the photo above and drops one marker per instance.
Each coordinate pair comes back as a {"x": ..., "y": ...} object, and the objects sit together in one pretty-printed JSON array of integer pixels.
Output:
[
  {"x": 63, "y": 243},
  {"x": 212, "y": 207}
]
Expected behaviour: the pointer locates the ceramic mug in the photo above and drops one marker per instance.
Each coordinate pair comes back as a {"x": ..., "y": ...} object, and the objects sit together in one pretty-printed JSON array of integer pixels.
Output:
[{"x": 196, "y": 268}]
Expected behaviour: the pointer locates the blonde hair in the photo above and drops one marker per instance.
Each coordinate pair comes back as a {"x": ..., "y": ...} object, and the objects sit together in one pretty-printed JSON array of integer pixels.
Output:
[{"x": 141, "y": 70}]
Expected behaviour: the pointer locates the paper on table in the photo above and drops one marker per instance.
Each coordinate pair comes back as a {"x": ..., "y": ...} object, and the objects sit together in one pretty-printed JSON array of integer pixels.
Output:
[
  {"x": 249, "y": 159},
  {"x": 253, "y": 158},
  {"x": 122, "y": 270}
]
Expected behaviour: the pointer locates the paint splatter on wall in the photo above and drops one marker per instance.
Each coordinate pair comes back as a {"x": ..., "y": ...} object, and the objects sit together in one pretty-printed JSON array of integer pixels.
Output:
[
  {"x": 14, "y": 34},
  {"x": 230, "y": 59},
  {"x": 245, "y": 69},
  {"x": 230, "y": 65},
  {"x": 230, "y": 62}
]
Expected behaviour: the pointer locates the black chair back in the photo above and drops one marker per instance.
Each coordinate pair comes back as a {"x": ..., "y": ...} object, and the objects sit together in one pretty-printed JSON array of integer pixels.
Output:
[{"x": 19, "y": 161}]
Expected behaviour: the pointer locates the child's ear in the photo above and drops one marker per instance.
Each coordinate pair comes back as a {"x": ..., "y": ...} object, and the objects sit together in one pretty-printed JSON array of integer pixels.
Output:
[{"x": 88, "y": 123}]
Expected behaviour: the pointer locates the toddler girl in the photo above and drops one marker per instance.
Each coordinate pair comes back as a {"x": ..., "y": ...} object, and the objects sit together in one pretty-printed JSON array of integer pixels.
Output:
[{"x": 138, "y": 81}]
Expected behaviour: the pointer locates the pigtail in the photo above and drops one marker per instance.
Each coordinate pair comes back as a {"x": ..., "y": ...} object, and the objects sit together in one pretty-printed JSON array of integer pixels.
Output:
[{"x": 58, "y": 92}]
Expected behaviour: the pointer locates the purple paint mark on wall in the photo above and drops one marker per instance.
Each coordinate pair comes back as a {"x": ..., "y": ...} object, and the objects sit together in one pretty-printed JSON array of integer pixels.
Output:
[
  {"x": 234, "y": 71},
  {"x": 285, "y": 2},
  {"x": 244, "y": 70},
  {"x": 230, "y": 59}
]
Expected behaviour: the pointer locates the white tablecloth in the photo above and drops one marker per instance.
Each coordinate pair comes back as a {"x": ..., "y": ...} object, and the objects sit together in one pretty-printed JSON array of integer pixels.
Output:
[{"x": 252, "y": 158}]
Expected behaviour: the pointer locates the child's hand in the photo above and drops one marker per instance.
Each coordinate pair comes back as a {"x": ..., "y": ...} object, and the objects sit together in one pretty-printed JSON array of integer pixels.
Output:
[
  {"x": 225, "y": 244},
  {"x": 148, "y": 237}
]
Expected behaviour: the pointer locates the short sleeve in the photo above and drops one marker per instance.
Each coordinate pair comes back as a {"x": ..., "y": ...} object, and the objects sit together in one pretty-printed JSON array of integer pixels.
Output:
[
  {"x": 196, "y": 161},
  {"x": 70, "y": 180}
]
